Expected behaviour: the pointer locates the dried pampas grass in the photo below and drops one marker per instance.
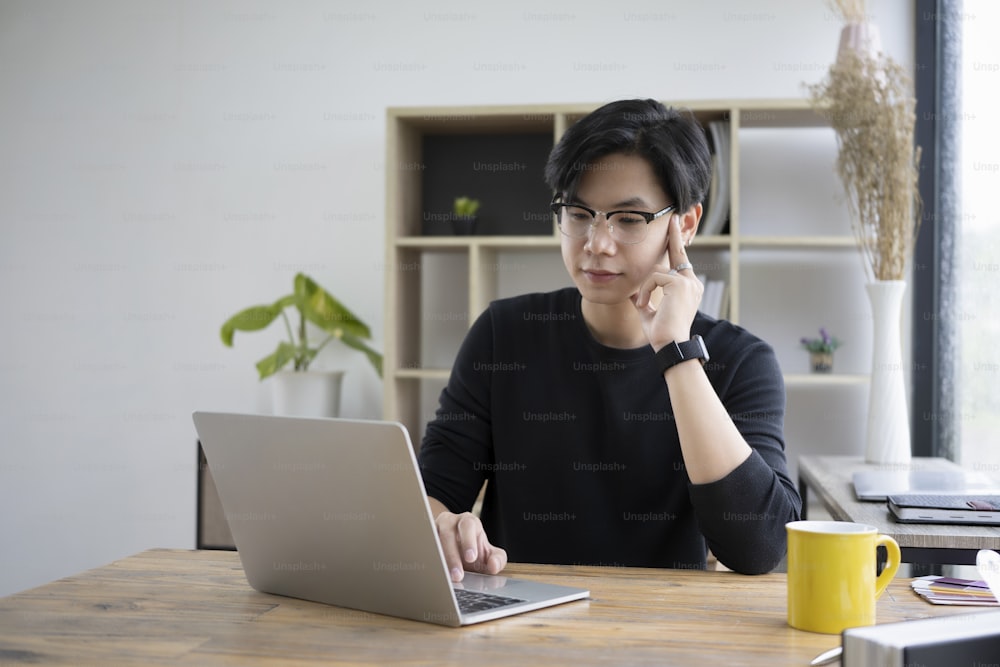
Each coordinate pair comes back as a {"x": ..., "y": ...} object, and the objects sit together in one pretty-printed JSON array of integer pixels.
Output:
[
  {"x": 849, "y": 11},
  {"x": 868, "y": 102}
]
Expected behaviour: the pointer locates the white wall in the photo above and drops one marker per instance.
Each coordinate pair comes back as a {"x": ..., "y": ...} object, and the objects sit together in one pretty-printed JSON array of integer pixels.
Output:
[{"x": 163, "y": 164}]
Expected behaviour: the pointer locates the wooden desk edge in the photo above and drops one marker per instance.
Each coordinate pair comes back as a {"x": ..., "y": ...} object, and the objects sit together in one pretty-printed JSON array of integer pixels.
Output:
[
  {"x": 187, "y": 606},
  {"x": 806, "y": 474}
]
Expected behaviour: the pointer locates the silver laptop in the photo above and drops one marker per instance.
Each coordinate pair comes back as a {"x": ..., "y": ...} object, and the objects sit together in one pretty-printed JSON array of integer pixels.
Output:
[
  {"x": 334, "y": 511},
  {"x": 880, "y": 484}
]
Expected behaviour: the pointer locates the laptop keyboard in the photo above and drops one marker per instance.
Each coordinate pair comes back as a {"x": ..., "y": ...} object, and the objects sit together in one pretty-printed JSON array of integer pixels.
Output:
[{"x": 473, "y": 601}]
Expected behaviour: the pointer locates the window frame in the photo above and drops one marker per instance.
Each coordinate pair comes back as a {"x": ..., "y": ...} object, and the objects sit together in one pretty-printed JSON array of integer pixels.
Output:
[{"x": 937, "y": 34}]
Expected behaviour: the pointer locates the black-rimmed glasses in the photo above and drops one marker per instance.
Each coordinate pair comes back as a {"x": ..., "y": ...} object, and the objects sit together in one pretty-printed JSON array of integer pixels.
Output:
[{"x": 629, "y": 227}]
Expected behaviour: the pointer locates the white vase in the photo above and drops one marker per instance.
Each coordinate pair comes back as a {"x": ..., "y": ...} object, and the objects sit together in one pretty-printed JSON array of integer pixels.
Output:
[
  {"x": 307, "y": 393},
  {"x": 862, "y": 38},
  {"x": 888, "y": 414}
]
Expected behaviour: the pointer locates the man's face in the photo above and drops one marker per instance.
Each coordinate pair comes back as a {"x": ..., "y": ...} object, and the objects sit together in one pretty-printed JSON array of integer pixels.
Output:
[{"x": 605, "y": 270}]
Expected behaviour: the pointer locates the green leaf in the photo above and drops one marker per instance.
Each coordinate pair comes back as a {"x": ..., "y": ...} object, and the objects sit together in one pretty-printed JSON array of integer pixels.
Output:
[
  {"x": 320, "y": 308},
  {"x": 249, "y": 319},
  {"x": 285, "y": 302},
  {"x": 277, "y": 360},
  {"x": 374, "y": 357},
  {"x": 465, "y": 206}
]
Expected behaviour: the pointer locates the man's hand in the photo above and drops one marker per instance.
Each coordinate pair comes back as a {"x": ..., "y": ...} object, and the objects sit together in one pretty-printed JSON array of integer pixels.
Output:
[
  {"x": 670, "y": 319},
  {"x": 464, "y": 543}
]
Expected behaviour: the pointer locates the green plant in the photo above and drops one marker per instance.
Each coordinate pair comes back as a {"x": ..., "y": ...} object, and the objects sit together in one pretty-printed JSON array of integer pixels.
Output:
[
  {"x": 314, "y": 304},
  {"x": 825, "y": 344},
  {"x": 465, "y": 207}
]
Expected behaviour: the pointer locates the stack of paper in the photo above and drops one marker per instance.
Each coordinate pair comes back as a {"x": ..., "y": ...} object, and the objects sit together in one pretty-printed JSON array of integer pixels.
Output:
[{"x": 949, "y": 590}]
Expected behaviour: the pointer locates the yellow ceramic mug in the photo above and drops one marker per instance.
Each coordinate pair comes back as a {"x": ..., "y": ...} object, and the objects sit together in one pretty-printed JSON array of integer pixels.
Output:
[{"x": 832, "y": 583}]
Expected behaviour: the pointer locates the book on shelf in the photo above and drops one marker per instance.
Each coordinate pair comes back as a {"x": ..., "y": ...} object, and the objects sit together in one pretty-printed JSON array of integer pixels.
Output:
[
  {"x": 941, "y": 641},
  {"x": 716, "y": 212}
]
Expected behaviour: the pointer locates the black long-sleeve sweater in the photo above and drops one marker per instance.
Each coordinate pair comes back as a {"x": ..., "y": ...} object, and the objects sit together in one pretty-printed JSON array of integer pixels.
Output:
[{"x": 578, "y": 444}]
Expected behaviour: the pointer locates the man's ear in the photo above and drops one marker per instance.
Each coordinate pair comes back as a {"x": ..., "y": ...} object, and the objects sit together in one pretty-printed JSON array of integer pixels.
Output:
[{"x": 690, "y": 220}]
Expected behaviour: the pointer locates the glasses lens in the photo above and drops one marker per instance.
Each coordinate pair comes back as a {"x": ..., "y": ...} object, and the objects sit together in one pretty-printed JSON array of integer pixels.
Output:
[
  {"x": 574, "y": 221},
  {"x": 628, "y": 227}
]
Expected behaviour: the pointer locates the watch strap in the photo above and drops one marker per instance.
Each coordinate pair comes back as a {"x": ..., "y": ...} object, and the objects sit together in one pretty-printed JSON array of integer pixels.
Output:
[{"x": 674, "y": 353}]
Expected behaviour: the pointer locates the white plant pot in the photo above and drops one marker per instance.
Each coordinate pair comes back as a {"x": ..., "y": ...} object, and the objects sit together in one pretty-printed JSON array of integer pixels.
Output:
[
  {"x": 307, "y": 393},
  {"x": 888, "y": 439}
]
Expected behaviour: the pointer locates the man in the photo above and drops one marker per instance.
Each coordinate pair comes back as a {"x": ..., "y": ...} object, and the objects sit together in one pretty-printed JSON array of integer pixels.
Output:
[{"x": 603, "y": 431}]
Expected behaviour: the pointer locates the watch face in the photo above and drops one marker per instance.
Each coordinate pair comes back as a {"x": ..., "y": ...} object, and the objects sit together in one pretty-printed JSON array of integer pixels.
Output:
[{"x": 703, "y": 351}]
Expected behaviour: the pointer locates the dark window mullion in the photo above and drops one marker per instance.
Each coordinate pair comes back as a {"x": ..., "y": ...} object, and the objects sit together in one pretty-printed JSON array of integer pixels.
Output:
[{"x": 936, "y": 79}]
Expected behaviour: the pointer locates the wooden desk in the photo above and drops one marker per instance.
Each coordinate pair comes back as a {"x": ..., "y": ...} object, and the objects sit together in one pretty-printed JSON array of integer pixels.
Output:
[
  {"x": 829, "y": 477},
  {"x": 175, "y": 607}
]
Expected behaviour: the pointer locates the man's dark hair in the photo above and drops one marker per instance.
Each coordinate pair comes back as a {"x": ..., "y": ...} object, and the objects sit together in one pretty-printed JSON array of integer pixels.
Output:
[{"x": 671, "y": 140}]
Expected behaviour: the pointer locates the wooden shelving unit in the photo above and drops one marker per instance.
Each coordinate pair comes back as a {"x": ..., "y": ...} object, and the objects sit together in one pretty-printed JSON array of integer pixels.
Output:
[{"x": 434, "y": 154}]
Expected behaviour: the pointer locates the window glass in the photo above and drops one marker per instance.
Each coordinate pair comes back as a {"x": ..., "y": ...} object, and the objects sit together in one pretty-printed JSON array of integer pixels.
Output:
[{"x": 977, "y": 316}]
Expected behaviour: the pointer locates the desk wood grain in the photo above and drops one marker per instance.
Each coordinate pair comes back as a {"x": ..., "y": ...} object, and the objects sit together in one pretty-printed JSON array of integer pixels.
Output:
[
  {"x": 830, "y": 478},
  {"x": 175, "y": 607}
]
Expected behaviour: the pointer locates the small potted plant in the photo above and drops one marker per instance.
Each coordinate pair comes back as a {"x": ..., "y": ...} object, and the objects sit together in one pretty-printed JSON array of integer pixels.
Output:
[
  {"x": 464, "y": 219},
  {"x": 821, "y": 351},
  {"x": 300, "y": 391}
]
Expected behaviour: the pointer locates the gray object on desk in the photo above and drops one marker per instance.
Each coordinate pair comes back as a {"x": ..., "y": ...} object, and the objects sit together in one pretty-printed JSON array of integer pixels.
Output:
[
  {"x": 878, "y": 485},
  {"x": 830, "y": 478},
  {"x": 962, "y": 508}
]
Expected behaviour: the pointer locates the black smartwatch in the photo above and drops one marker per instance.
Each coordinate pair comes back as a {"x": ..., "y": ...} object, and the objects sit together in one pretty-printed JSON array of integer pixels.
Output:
[{"x": 674, "y": 353}]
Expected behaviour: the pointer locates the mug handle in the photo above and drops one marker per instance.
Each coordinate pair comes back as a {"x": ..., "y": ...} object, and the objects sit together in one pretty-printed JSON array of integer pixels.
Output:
[{"x": 891, "y": 563}]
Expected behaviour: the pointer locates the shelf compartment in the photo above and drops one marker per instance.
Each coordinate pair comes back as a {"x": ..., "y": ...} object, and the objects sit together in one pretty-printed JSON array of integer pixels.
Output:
[
  {"x": 444, "y": 315},
  {"x": 505, "y": 172},
  {"x": 813, "y": 288},
  {"x": 788, "y": 184}
]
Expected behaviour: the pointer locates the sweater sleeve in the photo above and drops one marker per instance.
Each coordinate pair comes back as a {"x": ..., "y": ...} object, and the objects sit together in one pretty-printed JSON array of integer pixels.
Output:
[
  {"x": 457, "y": 447},
  {"x": 743, "y": 515}
]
